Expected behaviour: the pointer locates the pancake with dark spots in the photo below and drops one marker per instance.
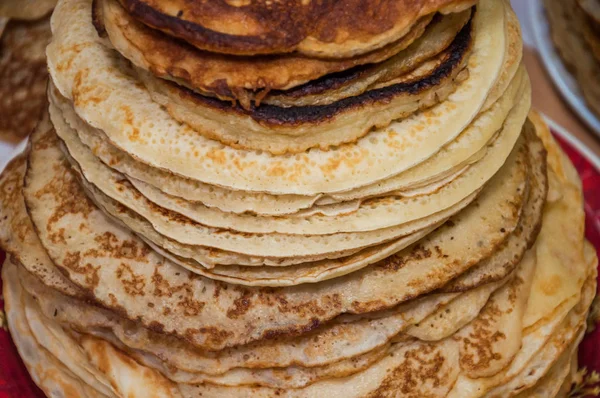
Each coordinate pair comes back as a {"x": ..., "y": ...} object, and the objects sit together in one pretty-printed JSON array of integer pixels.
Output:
[
  {"x": 248, "y": 79},
  {"x": 124, "y": 275},
  {"x": 294, "y": 129},
  {"x": 264, "y": 27}
]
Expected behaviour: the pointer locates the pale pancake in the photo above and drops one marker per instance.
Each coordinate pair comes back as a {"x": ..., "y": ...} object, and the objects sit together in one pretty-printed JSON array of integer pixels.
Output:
[
  {"x": 46, "y": 370},
  {"x": 249, "y": 79},
  {"x": 450, "y": 318},
  {"x": 23, "y": 76},
  {"x": 387, "y": 376},
  {"x": 26, "y": 9},
  {"x": 399, "y": 207},
  {"x": 375, "y": 157},
  {"x": 311, "y": 272},
  {"x": 466, "y": 149},
  {"x": 547, "y": 365},
  {"x": 94, "y": 264},
  {"x": 258, "y": 28},
  {"x": 560, "y": 281},
  {"x": 370, "y": 215},
  {"x": 559, "y": 376}
]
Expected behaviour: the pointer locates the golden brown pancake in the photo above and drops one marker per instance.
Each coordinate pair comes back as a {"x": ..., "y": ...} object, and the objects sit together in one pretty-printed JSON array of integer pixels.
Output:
[
  {"x": 255, "y": 27},
  {"x": 244, "y": 78}
]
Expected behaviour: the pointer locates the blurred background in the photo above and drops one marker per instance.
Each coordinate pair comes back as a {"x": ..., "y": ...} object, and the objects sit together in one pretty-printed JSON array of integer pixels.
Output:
[{"x": 554, "y": 93}]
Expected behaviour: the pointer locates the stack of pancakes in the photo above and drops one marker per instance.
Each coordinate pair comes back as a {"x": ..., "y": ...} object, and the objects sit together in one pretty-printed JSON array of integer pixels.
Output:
[
  {"x": 299, "y": 199},
  {"x": 24, "y": 35},
  {"x": 575, "y": 30}
]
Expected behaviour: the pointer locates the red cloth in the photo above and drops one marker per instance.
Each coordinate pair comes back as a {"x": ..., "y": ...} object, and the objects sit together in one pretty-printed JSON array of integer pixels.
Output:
[{"x": 16, "y": 383}]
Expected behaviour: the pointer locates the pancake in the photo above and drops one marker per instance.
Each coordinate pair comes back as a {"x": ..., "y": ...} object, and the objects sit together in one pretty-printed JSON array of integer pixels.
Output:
[
  {"x": 105, "y": 355},
  {"x": 501, "y": 265},
  {"x": 259, "y": 28},
  {"x": 512, "y": 183},
  {"x": 94, "y": 264},
  {"x": 23, "y": 76},
  {"x": 334, "y": 87},
  {"x": 369, "y": 215},
  {"x": 17, "y": 235},
  {"x": 251, "y": 78},
  {"x": 590, "y": 35},
  {"x": 26, "y": 9},
  {"x": 468, "y": 147},
  {"x": 333, "y": 342},
  {"x": 291, "y": 377},
  {"x": 375, "y": 157},
  {"x": 270, "y": 128}
]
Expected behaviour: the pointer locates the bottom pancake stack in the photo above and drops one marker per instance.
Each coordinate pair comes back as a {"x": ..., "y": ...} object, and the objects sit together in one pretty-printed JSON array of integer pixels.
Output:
[{"x": 459, "y": 313}]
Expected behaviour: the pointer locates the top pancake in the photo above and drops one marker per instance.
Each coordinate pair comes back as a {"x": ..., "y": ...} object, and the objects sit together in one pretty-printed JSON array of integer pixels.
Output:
[{"x": 254, "y": 27}]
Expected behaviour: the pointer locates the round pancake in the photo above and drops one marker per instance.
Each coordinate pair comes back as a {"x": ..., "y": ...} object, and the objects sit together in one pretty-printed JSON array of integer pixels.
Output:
[
  {"x": 450, "y": 161},
  {"x": 259, "y": 28},
  {"x": 23, "y": 76},
  {"x": 60, "y": 211},
  {"x": 295, "y": 129},
  {"x": 115, "y": 103},
  {"x": 490, "y": 164},
  {"x": 247, "y": 78},
  {"x": 317, "y": 271},
  {"x": 26, "y": 9}
]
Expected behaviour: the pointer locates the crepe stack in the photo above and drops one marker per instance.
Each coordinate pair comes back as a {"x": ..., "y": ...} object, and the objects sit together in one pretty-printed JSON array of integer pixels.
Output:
[
  {"x": 575, "y": 30},
  {"x": 239, "y": 199},
  {"x": 24, "y": 35}
]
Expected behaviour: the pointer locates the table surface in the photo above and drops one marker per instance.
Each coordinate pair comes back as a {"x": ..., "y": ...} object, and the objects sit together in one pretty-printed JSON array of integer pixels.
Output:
[{"x": 546, "y": 98}]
